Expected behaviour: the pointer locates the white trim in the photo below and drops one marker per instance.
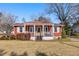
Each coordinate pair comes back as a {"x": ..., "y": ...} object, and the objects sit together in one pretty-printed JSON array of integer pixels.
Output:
[
  {"x": 53, "y": 29},
  {"x": 48, "y": 38},
  {"x": 43, "y": 38},
  {"x": 43, "y": 29},
  {"x": 34, "y": 29}
]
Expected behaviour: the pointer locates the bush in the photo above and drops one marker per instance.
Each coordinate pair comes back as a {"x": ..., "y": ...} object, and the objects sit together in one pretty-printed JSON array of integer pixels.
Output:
[
  {"x": 23, "y": 36},
  {"x": 4, "y": 38},
  {"x": 40, "y": 54},
  {"x": 12, "y": 37},
  {"x": 63, "y": 34}
]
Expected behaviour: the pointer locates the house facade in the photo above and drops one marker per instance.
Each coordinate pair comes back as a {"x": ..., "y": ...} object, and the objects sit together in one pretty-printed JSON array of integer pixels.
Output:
[
  {"x": 75, "y": 27},
  {"x": 39, "y": 29}
]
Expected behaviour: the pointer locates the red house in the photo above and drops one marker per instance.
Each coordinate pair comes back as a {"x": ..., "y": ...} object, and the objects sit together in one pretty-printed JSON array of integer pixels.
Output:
[{"x": 39, "y": 29}]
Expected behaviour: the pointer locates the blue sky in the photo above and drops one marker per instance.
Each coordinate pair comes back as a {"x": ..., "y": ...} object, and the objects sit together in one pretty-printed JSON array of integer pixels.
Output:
[{"x": 26, "y": 10}]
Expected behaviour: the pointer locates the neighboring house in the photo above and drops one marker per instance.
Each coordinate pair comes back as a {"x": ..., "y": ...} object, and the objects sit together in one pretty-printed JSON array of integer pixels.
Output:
[
  {"x": 75, "y": 27},
  {"x": 37, "y": 28}
]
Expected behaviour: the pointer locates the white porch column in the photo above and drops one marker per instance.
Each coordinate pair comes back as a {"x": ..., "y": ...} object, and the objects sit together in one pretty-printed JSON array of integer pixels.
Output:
[
  {"x": 43, "y": 29},
  {"x": 34, "y": 29},
  {"x": 53, "y": 29},
  {"x": 24, "y": 28}
]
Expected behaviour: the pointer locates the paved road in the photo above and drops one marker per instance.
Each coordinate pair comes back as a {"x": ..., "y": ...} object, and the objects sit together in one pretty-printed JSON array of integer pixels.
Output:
[{"x": 74, "y": 39}]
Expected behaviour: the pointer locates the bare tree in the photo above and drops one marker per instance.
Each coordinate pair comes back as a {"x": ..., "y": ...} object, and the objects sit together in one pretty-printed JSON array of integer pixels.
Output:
[
  {"x": 6, "y": 23},
  {"x": 23, "y": 20},
  {"x": 76, "y": 15},
  {"x": 44, "y": 19},
  {"x": 64, "y": 12}
]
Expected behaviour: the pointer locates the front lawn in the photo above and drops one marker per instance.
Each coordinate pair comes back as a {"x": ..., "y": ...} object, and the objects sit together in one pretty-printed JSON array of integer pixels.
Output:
[
  {"x": 17, "y": 47},
  {"x": 66, "y": 39}
]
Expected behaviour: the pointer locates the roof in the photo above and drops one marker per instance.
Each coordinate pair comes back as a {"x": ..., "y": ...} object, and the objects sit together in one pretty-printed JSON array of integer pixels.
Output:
[
  {"x": 37, "y": 22},
  {"x": 58, "y": 25},
  {"x": 42, "y": 21},
  {"x": 22, "y": 24},
  {"x": 19, "y": 24}
]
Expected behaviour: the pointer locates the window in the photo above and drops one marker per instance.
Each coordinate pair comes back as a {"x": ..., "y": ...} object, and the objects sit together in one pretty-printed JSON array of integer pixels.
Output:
[
  {"x": 31, "y": 29},
  {"x": 46, "y": 28},
  {"x": 21, "y": 29},
  {"x": 55, "y": 29}
]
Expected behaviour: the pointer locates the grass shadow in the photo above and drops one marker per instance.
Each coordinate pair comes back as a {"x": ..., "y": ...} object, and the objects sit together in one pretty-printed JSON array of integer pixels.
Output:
[
  {"x": 2, "y": 52},
  {"x": 24, "y": 54},
  {"x": 40, "y": 53},
  {"x": 54, "y": 54},
  {"x": 13, "y": 54}
]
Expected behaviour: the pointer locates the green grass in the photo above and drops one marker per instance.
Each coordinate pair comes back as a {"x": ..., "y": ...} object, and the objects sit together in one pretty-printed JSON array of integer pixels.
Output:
[
  {"x": 66, "y": 40},
  {"x": 63, "y": 39}
]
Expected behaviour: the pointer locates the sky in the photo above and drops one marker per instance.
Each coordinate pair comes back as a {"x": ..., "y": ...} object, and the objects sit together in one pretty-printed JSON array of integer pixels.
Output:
[{"x": 26, "y": 10}]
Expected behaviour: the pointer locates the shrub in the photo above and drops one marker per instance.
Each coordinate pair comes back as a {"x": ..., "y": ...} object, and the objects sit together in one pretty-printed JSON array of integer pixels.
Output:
[
  {"x": 63, "y": 34},
  {"x": 12, "y": 37},
  {"x": 4, "y": 38},
  {"x": 23, "y": 36},
  {"x": 40, "y": 54}
]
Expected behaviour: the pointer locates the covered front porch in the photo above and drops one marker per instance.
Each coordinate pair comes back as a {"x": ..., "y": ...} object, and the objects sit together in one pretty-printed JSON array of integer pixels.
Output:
[{"x": 43, "y": 31}]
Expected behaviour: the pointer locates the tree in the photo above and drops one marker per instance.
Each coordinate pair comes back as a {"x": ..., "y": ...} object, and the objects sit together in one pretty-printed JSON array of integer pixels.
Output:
[
  {"x": 76, "y": 16},
  {"x": 23, "y": 20},
  {"x": 44, "y": 19},
  {"x": 63, "y": 12},
  {"x": 6, "y": 23}
]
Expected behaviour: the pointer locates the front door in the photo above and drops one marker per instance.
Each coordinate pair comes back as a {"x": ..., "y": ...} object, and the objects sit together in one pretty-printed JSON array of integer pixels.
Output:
[
  {"x": 39, "y": 29},
  {"x": 39, "y": 36}
]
